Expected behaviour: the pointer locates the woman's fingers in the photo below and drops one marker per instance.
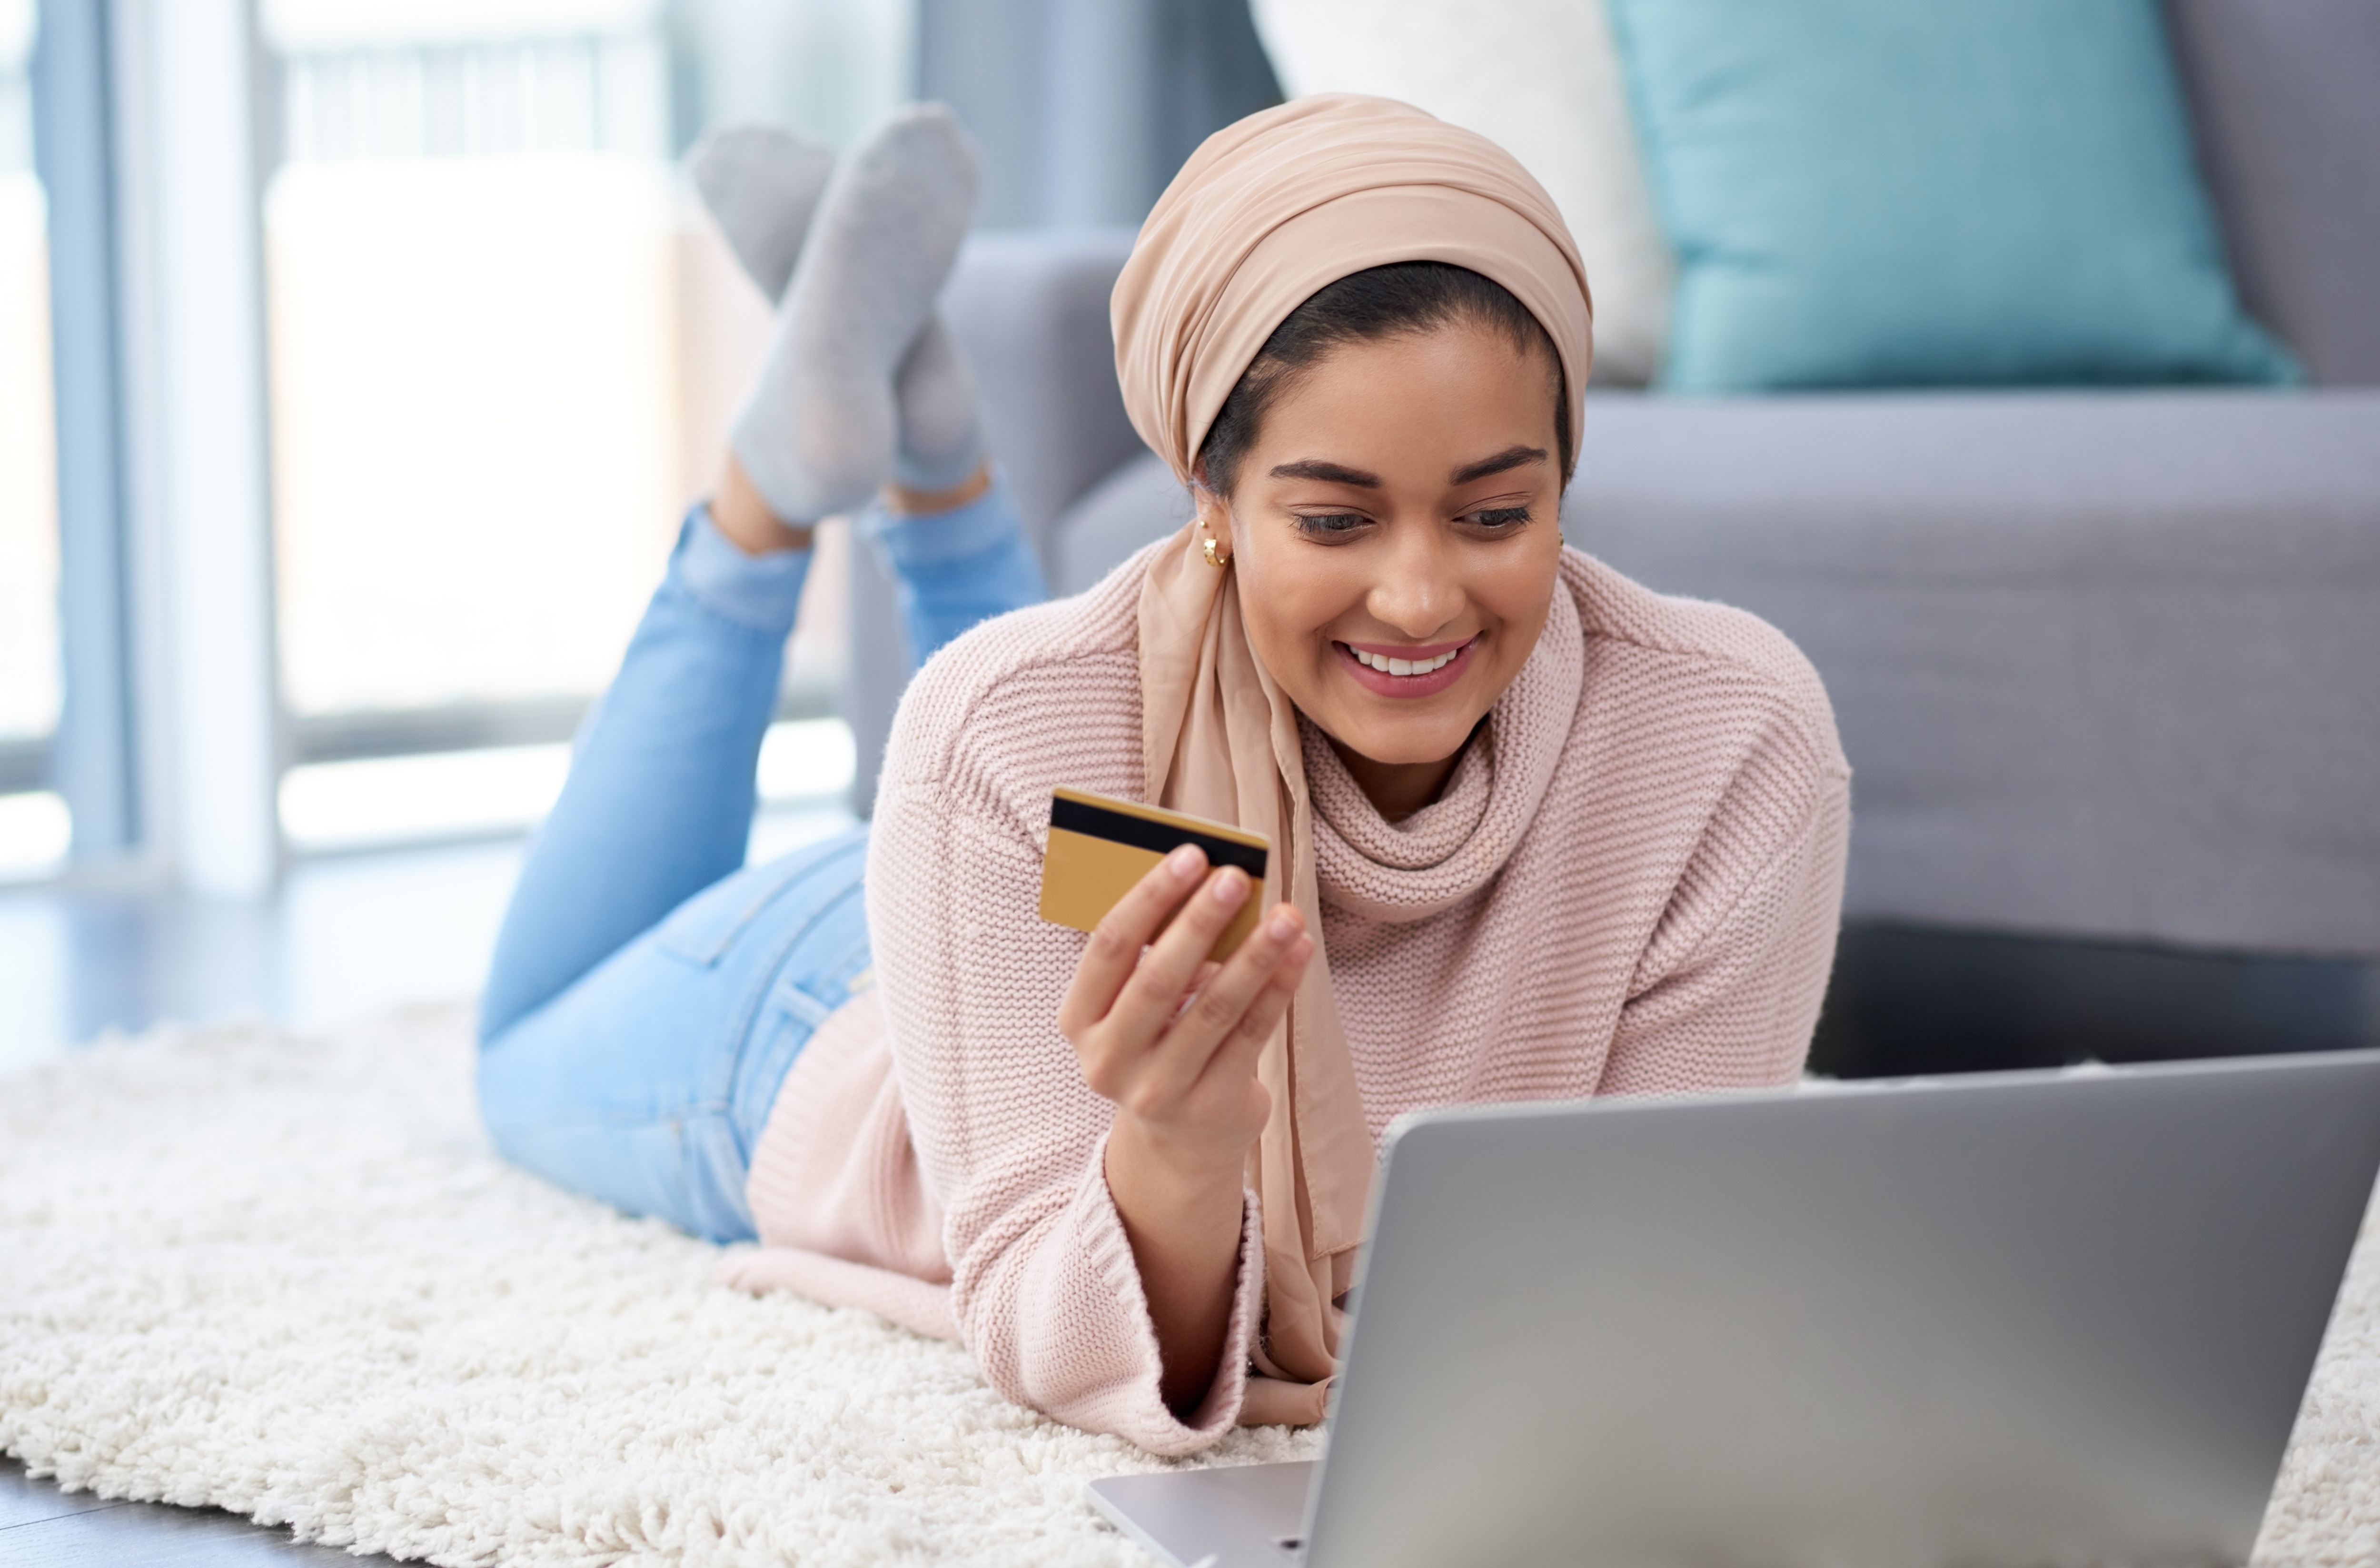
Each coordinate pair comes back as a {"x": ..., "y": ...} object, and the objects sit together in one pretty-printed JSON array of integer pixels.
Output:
[
  {"x": 1224, "y": 1003},
  {"x": 1152, "y": 1014},
  {"x": 1153, "y": 995},
  {"x": 1234, "y": 1056},
  {"x": 1116, "y": 944}
]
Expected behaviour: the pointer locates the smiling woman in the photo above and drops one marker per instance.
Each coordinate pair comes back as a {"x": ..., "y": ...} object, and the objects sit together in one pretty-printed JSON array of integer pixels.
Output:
[
  {"x": 1559, "y": 835},
  {"x": 1395, "y": 555},
  {"x": 1537, "y": 832}
]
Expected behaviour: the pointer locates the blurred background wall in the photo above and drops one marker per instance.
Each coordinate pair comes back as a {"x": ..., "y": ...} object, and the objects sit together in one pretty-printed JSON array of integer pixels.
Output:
[{"x": 1085, "y": 108}]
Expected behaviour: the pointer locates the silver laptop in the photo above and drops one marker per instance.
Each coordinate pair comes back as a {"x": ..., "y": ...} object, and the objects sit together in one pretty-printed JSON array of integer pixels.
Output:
[{"x": 2012, "y": 1319}]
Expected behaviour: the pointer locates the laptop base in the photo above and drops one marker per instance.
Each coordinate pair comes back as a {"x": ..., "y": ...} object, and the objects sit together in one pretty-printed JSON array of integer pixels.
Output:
[{"x": 1243, "y": 1516}]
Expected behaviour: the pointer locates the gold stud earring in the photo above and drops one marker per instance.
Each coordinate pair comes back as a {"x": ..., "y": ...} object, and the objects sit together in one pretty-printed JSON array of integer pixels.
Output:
[{"x": 1214, "y": 556}]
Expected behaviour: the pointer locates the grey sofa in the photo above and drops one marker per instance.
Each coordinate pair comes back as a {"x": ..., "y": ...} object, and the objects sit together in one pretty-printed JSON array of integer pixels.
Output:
[{"x": 2106, "y": 664}]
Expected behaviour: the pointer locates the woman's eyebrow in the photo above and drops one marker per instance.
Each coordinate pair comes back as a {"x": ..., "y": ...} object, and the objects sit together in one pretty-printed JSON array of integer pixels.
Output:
[
  {"x": 1330, "y": 473},
  {"x": 1512, "y": 457}
]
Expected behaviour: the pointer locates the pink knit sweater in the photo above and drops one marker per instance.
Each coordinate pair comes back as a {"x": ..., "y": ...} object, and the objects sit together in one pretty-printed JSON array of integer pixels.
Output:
[{"x": 1632, "y": 886}]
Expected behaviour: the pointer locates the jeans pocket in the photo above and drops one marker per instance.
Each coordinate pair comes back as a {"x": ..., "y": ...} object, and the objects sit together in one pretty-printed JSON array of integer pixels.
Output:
[
  {"x": 809, "y": 991},
  {"x": 705, "y": 927}
]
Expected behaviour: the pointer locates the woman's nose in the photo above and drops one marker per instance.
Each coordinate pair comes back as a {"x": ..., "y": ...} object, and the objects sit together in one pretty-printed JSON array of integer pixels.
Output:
[{"x": 1417, "y": 592}]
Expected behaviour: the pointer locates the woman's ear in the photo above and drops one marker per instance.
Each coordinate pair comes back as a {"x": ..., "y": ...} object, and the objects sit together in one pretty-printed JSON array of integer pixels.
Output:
[{"x": 1214, "y": 515}]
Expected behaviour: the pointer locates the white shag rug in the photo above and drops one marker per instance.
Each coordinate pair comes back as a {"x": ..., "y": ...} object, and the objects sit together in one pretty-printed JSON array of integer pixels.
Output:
[{"x": 285, "y": 1277}]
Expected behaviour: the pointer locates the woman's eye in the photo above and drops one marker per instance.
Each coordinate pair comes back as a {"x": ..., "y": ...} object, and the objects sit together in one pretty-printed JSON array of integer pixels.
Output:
[
  {"x": 1329, "y": 522},
  {"x": 1501, "y": 517}
]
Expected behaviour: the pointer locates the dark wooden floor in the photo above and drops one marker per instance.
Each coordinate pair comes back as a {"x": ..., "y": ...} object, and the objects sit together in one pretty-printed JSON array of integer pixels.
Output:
[
  {"x": 43, "y": 1527},
  {"x": 1909, "y": 1000}
]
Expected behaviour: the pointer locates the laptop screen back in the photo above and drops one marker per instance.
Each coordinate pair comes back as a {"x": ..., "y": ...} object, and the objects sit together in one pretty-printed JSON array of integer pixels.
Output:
[{"x": 2021, "y": 1318}]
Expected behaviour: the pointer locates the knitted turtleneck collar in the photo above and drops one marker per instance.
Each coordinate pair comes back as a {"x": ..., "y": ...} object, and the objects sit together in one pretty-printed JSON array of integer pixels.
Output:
[{"x": 1449, "y": 849}]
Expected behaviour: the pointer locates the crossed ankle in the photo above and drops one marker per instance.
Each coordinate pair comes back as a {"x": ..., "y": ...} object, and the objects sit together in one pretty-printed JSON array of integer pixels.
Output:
[
  {"x": 906, "y": 502},
  {"x": 744, "y": 519}
]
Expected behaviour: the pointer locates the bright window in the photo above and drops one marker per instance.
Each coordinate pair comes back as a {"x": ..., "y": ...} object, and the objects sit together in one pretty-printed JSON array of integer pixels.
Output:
[
  {"x": 34, "y": 825},
  {"x": 505, "y": 345},
  {"x": 474, "y": 386}
]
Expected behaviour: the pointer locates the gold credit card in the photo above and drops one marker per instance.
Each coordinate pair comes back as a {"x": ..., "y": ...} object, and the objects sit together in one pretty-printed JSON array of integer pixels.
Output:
[{"x": 1100, "y": 847}]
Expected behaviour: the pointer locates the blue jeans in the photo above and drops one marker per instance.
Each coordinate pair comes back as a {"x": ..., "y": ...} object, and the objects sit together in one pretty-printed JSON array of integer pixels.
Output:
[{"x": 650, "y": 991}]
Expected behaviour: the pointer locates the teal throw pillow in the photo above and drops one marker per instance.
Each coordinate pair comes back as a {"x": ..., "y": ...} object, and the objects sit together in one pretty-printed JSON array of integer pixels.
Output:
[{"x": 1930, "y": 192}]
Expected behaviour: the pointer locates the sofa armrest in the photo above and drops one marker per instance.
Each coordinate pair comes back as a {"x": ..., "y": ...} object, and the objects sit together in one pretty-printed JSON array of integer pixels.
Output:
[{"x": 1029, "y": 307}]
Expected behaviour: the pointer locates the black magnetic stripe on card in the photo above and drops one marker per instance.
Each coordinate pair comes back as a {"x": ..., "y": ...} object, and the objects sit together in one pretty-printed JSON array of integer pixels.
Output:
[{"x": 1140, "y": 833}]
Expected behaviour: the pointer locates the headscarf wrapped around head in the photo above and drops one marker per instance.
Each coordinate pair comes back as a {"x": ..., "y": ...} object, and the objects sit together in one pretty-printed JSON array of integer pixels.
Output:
[
  {"x": 1274, "y": 207},
  {"x": 1265, "y": 213}
]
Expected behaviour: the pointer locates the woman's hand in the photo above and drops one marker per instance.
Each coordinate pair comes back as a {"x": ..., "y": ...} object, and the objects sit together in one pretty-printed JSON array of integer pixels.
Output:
[
  {"x": 1183, "y": 1077},
  {"x": 1173, "y": 1042}
]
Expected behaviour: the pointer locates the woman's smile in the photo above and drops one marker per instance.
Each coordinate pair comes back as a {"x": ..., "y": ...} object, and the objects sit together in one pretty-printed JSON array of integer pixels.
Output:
[{"x": 1391, "y": 670}]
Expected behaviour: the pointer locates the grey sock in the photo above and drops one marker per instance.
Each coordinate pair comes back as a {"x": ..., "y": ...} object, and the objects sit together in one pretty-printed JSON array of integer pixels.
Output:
[
  {"x": 820, "y": 432},
  {"x": 761, "y": 185},
  {"x": 941, "y": 444}
]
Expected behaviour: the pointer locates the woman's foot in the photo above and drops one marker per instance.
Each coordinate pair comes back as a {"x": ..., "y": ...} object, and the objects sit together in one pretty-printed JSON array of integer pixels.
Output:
[
  {"x": 762, "y": 185},
  {"x": 822, "y": 429},
  {"x": 941, "y": 444}
]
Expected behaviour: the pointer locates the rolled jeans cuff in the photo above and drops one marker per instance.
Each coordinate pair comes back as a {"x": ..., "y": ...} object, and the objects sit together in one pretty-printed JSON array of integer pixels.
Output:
[
  {"x": 761, "y": 592},
  {"x": 938, "y": 538}
]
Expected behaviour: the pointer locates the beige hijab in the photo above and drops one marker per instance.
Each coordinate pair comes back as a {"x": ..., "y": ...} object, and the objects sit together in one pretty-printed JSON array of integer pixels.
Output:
[{"x": 1266, "y": 212}]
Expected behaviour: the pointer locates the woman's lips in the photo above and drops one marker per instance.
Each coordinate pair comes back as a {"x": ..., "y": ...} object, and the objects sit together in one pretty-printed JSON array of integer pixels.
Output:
[{"x": 1423, "y": 682}]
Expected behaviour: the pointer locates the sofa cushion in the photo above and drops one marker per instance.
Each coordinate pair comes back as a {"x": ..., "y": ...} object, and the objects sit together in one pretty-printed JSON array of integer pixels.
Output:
[
  {"x": 2105, "y": 665},
  {"x": 2286, "y": 98},
  {"x": 1540, "y": 79},
  {"x": 1968, "y": 193}
]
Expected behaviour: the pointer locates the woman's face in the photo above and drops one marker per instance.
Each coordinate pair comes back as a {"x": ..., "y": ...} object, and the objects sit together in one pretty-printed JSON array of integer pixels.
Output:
[{"x": 1395, "y": 525}]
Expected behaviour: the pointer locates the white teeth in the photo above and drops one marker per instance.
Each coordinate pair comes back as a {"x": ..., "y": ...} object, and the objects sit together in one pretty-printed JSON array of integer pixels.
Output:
[{"x": 1386, "y": 665}]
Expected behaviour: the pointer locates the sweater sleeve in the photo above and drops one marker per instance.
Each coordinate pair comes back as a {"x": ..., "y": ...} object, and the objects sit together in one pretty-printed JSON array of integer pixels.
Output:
[
  {"x": 1727, "y": 991},
  {"x": 1045, "y": 1288}
]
